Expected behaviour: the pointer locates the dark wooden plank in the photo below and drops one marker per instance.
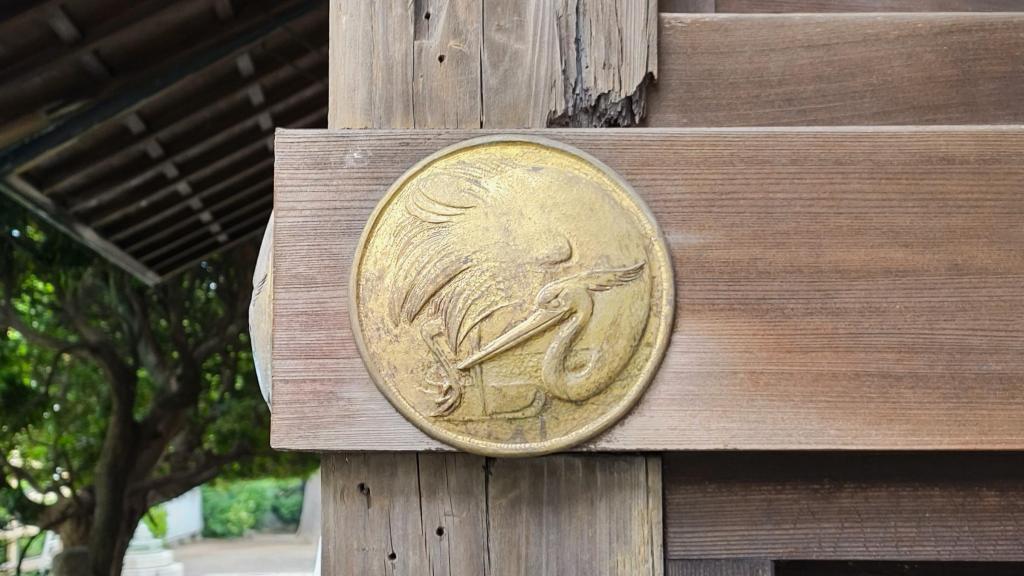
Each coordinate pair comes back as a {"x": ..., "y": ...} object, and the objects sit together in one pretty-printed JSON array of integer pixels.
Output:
[
  {"x": 71, "y": 50},
  {"x": 151, "y": 242},
  {"x": 846, "y": 506},
  {"x": 694, "y": 6},
  {"x": 132, "y": 91},
  {"x": 233, "y": 236},
  {"x": 868, "y": 6},
  {"x": 197, "y": 119},
  {"x": 203, "y": 176},
  {"x": 719, "y": 568},
  {"x": 194, "y": 101},
  {"x": 837, "y": 288},
  {"x": 21, "y": 8},
  {"x": 839, "y": 69},
  {"x": 834, "y": 568},
  {"x": 214, "y": 135}
]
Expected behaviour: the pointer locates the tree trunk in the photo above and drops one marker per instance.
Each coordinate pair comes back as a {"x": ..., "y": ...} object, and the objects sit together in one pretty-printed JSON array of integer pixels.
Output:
[
  {"x": 114, "y": 521},
  {"x": 72, "y": 561},
  {"x": 74, "y": 532},
  {"x": 114, "y": 517}
]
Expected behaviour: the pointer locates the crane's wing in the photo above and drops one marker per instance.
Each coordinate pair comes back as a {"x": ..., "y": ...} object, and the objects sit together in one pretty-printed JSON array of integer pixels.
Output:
[
  {"x": 430, "y": 264},
  {"x": 602, "y": 280}
]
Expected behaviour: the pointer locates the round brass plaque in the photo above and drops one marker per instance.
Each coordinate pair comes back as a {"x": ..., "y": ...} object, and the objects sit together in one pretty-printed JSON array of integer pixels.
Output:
[{"x": 511, "y": 296}]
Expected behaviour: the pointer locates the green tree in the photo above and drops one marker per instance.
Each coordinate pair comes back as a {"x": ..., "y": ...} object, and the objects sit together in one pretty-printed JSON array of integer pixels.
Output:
[{"x": 115, "y": 397}]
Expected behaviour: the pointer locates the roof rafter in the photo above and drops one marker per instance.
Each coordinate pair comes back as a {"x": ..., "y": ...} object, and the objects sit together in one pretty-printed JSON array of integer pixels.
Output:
[{"x": 244, "y": 32}]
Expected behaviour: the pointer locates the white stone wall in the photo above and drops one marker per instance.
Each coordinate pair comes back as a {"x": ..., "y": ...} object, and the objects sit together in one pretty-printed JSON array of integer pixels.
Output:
[{"x": 184, "y": 516}]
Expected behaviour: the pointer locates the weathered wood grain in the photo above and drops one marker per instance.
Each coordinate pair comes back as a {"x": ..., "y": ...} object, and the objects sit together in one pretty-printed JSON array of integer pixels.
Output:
[
  {"x": 261, "y": 311},
  {"x": 446, "y": 67},
  {"x": 584, "y": 63},
  {"x": 839, "y": 69},
  {"x": 453, "y": 509},
  {"x": 852, "y": 506},
  {"x": 570, "y": 62},
  {"x": 371, "y": 64},
  {"x": 434, "y": 503},
  {"x": 544, "y": 514},
  {"x": 867, "y": 6},
  {"x": 446, "y": 528},
  {"x": 857, "y": 288},
  {"x": 719, "y": 568},
  {"x": 403, "y": 514}
]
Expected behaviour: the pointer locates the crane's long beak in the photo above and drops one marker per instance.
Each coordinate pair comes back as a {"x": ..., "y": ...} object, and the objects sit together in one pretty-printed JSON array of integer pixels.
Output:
[{"x": 537, "y": 322}]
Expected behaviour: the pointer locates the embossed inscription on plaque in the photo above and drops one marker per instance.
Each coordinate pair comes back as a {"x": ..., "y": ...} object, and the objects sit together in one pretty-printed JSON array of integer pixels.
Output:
[{"x": 511, "y": 296}]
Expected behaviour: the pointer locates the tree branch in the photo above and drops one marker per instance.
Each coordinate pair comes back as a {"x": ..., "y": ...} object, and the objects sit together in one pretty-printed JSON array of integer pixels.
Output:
[
  {"x": 164, "y": 488},
  {"x": 104, "y": 351},
  {"x": 13, "y": 319},
  {"x": 146, "y": 343}
]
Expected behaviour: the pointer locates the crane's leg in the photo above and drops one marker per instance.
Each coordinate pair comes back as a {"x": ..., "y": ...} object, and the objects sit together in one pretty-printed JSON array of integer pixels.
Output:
[{"x": 449, "y": 392}]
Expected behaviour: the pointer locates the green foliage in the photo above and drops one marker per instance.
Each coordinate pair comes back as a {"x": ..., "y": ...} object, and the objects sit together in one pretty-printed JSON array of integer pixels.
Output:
[
  {"x": 156, "y": 520},
  {"x": 287, "y": 505},
  {"x": 231, "y": 509},
  {"x": 73, "y": 329}
]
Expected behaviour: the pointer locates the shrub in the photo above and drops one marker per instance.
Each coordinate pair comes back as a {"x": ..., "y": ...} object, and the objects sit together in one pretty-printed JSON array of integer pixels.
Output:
[
  {"x": 227, "y": 513},
  {"x": 287, "y": 505},
  {"x": 230, "y": 509}
]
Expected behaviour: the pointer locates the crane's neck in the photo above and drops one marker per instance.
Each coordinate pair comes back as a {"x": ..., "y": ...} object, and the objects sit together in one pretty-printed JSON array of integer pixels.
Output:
[{"x": 590, "y": 379}]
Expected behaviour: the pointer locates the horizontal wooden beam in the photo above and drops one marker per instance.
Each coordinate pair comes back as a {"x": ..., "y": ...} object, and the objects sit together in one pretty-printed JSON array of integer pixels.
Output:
[
  {"x": 857, "y": 288},
  {"x": 845, "y": 506},
  {"x": 838, "y": 69}
]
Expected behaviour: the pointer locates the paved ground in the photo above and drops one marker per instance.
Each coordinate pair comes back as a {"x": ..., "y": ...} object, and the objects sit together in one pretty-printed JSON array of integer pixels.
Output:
[{"x": 259, "y": 555}]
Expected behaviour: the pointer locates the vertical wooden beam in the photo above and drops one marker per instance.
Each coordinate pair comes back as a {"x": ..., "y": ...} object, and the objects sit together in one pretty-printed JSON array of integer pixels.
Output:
[
  {"x": 451, "y": 489},
  {"x": 567, "y": 62},
  {"x": 574, "y": 514},
  {"x": 434, "y": 504},
  {"x": 371, "y": 65},
  {"x": 446, "y": 64},
  {"x": 471, "y": 63},
  {"x": 401, "y": 513}
]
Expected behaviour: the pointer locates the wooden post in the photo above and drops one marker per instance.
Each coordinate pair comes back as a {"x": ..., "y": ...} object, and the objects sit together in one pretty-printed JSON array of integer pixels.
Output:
[
  {"x": 493, "y": 64},
  {"x": 402, "y": 513}
]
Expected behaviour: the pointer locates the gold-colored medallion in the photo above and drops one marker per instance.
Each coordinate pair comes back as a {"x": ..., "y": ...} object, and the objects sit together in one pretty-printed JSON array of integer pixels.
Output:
[{"x": 512, "y": 296}]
